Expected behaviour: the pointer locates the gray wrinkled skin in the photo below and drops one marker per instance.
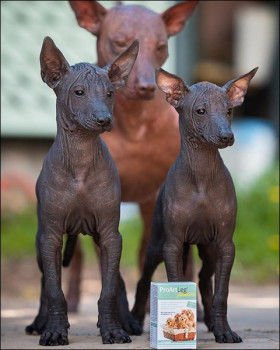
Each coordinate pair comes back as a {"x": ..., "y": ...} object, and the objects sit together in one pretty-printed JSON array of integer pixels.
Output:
[
  {"x": 78, "y": 191},
  {"x": 197, "y": 203}
]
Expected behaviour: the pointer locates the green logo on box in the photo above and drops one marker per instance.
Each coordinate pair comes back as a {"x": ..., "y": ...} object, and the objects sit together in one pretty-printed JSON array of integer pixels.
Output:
[{"x": 179, "y": 291}]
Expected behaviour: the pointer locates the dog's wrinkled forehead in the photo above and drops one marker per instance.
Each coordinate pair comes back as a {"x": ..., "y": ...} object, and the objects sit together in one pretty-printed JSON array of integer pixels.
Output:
[
  {"x": 88, "y": 75},
  {"x": 208, "y": 93},
  {"x": 131, "y": 21}
]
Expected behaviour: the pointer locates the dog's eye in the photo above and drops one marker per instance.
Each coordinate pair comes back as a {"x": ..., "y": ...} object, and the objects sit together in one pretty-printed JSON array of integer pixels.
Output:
[
  {"x": 110, "y": 93},
  {"x": 120, "y": 43},
  {"x": 79, "y": 92},
  {"x": 201, "y": 111},
  {"x": 161, "y": 47},
  {"x": 229, "y": 111}
]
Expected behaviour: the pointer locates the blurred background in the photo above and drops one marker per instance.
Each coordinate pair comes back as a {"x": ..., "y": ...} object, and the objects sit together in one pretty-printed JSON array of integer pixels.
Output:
[{"x": 222, "y": 40}]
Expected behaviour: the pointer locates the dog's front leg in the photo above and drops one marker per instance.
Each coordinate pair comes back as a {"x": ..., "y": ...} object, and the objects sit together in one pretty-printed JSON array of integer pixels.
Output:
[
  {"x": 207, "y": 253},
  {"x": 55, "y": 331},
  {"x": 173, "y": 259},
  {"x": 221, "y": 328},
  {"x": 41, "y": 319},
  {"x": 110, "y": 328}
]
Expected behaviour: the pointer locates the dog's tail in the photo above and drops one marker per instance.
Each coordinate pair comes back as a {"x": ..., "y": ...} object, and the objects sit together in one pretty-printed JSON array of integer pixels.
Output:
[{"x": 69, "y": 250}]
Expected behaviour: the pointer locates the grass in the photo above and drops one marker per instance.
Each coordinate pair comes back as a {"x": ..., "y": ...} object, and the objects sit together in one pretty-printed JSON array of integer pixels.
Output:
[{"x": 256, "y": 236}]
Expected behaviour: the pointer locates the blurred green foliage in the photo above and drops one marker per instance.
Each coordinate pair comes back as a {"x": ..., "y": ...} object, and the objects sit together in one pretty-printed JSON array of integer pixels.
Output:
[{"x": 256, "y": 236}]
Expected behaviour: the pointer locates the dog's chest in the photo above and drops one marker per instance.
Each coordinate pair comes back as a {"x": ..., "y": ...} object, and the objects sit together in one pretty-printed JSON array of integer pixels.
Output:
[
  {"x": 200, "y": 213},
  {"x": 209, "y": 212},
  {"x": 88, "y": 202}
]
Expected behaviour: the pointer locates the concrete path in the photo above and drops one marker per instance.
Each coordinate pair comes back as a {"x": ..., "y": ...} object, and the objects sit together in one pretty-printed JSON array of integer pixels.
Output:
[{"x": 253, "y": 313}]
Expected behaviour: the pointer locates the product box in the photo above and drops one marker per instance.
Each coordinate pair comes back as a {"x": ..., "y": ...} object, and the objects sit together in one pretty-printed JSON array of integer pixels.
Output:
[{"x": 173, "y": 315}]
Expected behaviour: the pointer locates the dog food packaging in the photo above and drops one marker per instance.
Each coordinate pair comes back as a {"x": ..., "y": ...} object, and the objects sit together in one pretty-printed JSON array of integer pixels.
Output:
[{"x": 173, "y": 315}]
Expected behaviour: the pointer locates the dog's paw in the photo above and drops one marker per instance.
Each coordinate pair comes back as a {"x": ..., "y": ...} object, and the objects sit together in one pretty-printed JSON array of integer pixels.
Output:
[
  {"x": 111, "y": 336},
  {"x": 208, "y": 322},
  {"x": 129, "y": 324},
  {"x": 54, "y": 335},
  {"x": 138, "y": 321},
  {"x": 227, "y": 337},
  {"x": 37, "y": 325},
  {"x": 132, "y": 327}
]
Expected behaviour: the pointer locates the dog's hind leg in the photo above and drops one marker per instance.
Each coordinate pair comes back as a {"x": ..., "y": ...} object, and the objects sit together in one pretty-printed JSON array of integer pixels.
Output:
[
  {"x": 153, "y": 258},
  {"x": 129, "y": 324},
  {"x": 73, "y": 250}
]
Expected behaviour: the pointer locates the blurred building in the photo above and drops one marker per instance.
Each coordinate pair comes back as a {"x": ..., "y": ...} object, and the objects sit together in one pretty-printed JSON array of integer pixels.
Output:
[{"x": 222, "y": 40}]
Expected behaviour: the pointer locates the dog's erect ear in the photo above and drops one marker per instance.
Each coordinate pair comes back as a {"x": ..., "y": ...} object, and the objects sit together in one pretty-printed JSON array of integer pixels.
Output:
[
  {"x": 53, "y": 64},
  {"x": 236, "y": 89},
  {"x": 89, "y": 15},
  {"x": 119, "y": 69},
  {"x": 176, "y": 16},
  {"x": 174, "y": 87}
]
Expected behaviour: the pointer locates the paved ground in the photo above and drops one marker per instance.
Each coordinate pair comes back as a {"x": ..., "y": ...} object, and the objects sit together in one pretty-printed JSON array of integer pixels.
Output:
[{"x": 253, "y": 313}]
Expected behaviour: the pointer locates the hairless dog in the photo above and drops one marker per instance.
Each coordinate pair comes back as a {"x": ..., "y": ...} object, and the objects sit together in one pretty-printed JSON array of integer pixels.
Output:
[
  {"x": 78, "y": 191},
  {"x": 143, "y": 119},
  {"x": 197, "y": 202}
]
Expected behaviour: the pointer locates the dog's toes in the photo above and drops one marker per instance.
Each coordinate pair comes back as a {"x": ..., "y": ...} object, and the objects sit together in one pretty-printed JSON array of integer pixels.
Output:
[
  {"x": 45, "y": 337},
  {"x": 132, "y": 328},
  {"x": 136, "y": 329},
  {"x": 63, "y": 340},
  {"x": 54, "y": 339},
  {"x": 232, "y": 337},
  {"x": 54, "y": 336},
  {"x": 126, "y": 339},
  {"x": 120, "y": 336},
  {"x": 228, "y": 337},
  {"x": 115, "y": 336},
  {"x": 107, "y": 339}
]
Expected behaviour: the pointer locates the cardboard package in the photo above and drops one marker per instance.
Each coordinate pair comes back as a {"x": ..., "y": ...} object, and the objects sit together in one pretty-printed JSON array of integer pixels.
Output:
[{"x": 173, "y": 315}]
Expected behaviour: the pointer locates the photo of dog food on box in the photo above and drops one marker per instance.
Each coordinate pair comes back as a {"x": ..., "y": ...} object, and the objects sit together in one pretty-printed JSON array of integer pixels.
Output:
[
  {"x": 180, "y": 328},
  {"x": 173, "y": 315}
]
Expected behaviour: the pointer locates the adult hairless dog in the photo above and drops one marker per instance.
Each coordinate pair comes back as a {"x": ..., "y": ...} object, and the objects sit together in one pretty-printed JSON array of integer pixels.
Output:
[
  {"x": 143, "y": 119},
  {"x": 78, "y": 191},
  {"x": 197, "y": 202}
]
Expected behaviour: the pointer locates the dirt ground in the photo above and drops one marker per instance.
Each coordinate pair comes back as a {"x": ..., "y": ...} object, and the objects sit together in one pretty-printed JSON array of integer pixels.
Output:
[{"x": 253, "y": 311}]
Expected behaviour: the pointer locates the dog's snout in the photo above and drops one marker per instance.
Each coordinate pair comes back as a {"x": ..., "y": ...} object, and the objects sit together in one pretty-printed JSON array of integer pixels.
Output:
[
  {"x": 145, "y": 88},
  {"x": 104, "y": 120},
  {"x": 227, "y": 137}
]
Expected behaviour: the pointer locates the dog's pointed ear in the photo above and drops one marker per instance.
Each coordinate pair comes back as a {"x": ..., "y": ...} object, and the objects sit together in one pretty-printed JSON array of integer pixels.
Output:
[
  {"x": 174, "y": 87},
  {"x": 53, "y": 64},
  {"x": 176, "y": 16},
  {"x": 119, "y": 69},
  {"x": 89, "y": 14},
  {"x": 236, "y": 89}
]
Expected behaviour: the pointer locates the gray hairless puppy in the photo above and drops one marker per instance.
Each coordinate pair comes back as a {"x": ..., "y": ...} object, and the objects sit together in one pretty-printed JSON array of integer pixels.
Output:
[
  {"x": 197, "y": 203},
  {"x": 78, "y": 190}
]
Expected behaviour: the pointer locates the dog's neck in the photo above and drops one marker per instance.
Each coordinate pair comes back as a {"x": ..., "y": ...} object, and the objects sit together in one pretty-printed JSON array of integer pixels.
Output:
[
  {"x": 78, "y": 149},
  {"x": 202, "y": 162},
  {"x": 133, "y": 117}
]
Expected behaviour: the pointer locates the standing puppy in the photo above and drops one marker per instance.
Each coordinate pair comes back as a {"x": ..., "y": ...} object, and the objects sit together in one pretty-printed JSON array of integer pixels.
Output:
[
  {"x": 78, "y": 189},
  {"x": 197, "y": 202}
]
